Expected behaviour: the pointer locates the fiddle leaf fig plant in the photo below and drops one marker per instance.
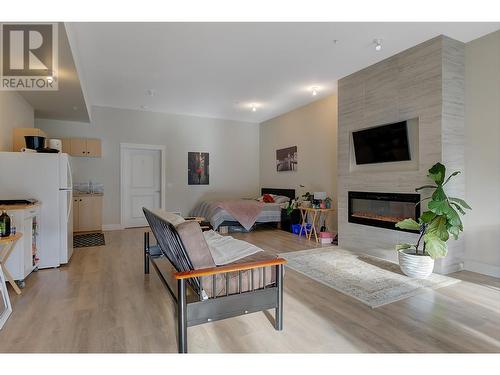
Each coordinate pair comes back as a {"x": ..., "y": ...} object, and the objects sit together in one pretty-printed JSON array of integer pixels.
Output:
[{"x": 440, "y": 221}]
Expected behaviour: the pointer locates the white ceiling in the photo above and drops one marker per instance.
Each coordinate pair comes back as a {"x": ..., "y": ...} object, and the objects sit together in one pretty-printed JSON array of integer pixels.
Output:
[{"x": 219, "y": 69}]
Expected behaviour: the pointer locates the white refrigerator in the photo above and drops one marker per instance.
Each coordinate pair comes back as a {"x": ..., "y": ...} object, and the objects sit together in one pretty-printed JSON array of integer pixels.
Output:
[{"x": 46, "y": 178}]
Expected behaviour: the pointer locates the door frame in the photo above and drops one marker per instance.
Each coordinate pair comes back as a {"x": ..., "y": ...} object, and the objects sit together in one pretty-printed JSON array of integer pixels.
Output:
[{"x": 163, "y": 183}]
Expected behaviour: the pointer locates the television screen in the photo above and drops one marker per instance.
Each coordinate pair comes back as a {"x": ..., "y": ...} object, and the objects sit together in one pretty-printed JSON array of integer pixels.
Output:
[{"x": 382, "y": 144}]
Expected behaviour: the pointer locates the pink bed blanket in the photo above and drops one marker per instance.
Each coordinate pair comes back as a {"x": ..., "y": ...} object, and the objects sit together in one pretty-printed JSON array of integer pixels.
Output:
[{"x": 245, "y": 211}]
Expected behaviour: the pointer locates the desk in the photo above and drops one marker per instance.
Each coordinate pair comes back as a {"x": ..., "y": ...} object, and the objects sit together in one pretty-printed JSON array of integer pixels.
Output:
[
  {"x": 7, "y": 244},
  {"x": 315, "y": 220}
]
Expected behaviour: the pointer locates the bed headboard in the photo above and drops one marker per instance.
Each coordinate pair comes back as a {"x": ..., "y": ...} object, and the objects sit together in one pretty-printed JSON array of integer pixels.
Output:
[{"x": 290, "y": 193}]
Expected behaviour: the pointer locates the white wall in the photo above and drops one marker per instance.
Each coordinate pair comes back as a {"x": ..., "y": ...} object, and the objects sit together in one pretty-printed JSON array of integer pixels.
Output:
[
  {"x": 15, "y": 112},
  {"x": 233, "y": 148},
  {"x": 313, "y": 129},
  {"x": 482, "y": 154}
]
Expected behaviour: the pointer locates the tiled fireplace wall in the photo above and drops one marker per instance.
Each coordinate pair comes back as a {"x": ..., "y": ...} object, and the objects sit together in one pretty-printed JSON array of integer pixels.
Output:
[{"x": 424, "y": 82}]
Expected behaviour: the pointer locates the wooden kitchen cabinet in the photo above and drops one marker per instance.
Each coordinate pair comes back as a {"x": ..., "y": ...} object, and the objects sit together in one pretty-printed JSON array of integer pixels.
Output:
[
  {"x": 87, "y": 147},
  {"x": 78, "y": 147},
  {"x": 94, "y": 148},
  {"x": 66, "y": 146},
  {"x": 87, "y": 213}
]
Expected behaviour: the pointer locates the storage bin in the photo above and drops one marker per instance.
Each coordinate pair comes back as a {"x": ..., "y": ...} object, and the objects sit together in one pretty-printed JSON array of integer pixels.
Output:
[{"x": 296, "y": 229}]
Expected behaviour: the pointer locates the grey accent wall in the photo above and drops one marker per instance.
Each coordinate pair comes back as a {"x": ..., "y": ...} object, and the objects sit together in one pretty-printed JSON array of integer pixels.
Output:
[
  {"x": 233, "y": 148},
  {"x": 424, "y": 82}
]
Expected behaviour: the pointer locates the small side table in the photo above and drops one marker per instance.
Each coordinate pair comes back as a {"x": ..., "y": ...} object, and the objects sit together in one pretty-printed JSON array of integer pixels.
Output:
[
  {"x": 7, "y": 245},
  {"x": 316, "y": 215}
]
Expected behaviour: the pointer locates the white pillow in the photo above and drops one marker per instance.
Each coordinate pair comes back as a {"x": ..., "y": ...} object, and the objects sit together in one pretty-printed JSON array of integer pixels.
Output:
[
  {"x": 280, "y": 199},
  {"x": 277, "y": 198}
]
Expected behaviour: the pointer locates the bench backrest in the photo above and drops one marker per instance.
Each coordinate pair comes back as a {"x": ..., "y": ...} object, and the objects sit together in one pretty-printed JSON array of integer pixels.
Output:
[{"x": 171, "y": 245}]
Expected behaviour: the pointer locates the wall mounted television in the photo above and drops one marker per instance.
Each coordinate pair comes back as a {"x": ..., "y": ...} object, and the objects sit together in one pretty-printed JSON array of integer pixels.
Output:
[{"x": 382, "y": 144}]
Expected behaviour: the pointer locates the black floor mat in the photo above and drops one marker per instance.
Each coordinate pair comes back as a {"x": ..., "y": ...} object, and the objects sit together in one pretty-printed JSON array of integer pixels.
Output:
[{"x": 88, "y": 239}]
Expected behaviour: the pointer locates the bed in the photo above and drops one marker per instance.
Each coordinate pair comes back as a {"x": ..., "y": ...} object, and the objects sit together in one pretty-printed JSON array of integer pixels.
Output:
[{"x": 218, "y": 217}]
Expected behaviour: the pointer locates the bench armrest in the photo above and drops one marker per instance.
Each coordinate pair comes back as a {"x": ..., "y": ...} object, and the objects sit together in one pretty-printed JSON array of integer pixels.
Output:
[{"x": 229, "y": 268}]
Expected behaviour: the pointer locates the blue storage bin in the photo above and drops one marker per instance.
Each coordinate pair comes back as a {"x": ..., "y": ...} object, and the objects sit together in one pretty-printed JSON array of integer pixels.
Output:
[{"x": 296, "y": 229}]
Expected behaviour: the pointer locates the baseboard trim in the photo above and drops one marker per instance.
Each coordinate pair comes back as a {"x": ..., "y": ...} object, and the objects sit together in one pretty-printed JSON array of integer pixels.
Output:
[
  {"x": 448, "y": 268},
  {"x": 109, "y": 227},
  {"x": 483, "y": 268}
]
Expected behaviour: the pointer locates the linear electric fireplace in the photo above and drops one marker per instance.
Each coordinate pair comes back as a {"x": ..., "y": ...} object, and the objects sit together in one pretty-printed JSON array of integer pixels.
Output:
[{"x": 382, "y": 209}]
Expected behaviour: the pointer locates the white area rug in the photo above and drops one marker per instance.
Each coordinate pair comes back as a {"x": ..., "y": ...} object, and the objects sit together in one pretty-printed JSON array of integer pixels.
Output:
[{"x": 373, "y": 281}]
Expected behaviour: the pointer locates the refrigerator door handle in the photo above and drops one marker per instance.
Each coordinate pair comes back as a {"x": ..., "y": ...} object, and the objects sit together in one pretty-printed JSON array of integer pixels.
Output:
[
  {"x": 70, "y": 205},
  {"x": 70, "y": 175}
]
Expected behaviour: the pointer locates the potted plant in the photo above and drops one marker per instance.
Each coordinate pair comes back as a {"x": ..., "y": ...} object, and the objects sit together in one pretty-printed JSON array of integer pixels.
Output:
[
  {"x": 295, "y": 203},
  {"x": 435, "y": 226}
]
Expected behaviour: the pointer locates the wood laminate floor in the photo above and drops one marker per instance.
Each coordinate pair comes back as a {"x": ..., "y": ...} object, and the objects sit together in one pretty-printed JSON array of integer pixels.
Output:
[{"x": 102, "y": 302}]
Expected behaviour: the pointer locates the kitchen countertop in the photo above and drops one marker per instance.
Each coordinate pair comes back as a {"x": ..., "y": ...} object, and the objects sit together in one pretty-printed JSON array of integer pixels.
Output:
[
  {"x": 83, "y": 194},
  {"x": 22, "y": 206}
]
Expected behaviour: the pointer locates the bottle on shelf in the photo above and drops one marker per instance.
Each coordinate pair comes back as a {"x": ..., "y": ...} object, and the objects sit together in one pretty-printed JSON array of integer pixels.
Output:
[{"x": 4, "y": 225}]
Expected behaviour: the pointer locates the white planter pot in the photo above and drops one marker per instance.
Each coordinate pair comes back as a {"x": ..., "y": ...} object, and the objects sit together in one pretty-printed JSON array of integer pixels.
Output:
[{"x": 417, "y": 266}]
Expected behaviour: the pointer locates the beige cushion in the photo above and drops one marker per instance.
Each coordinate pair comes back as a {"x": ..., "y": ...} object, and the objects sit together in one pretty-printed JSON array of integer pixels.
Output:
[
  {"x": 195, "y": 244},
  {"x": 198, "y": 251},
  {"x": 246, "y": 278},
  {"x": 172, "y": 218}
]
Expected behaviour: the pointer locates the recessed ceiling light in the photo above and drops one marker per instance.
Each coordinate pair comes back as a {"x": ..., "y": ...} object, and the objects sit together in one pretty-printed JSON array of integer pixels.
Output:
[
  {"x": 254, "y": 107},
  {"x": 378, "y": 44},
  {"x": 314, "y": 90}
]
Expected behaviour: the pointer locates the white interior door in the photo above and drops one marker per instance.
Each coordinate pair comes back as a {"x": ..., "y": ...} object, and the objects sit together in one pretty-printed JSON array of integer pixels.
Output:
[{"x": 141, "y": 183}]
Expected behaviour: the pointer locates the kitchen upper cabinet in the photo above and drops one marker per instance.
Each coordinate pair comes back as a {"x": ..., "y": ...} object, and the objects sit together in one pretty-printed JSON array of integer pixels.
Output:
[
  {"x": 87, "y": 213},
  {"x": 94, "y": 148},
  {"x": 66, "y": 145},
  {"x": 78, "y": 147},
  {"x": 87, "y": 147}
]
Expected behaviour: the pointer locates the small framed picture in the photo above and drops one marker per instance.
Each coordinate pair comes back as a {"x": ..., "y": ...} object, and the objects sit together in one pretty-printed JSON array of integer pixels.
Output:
[
  {"x": 198, "y": 168},
  {"x": 286, "y": 159},
  {"x": 5, "y": 307}
]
